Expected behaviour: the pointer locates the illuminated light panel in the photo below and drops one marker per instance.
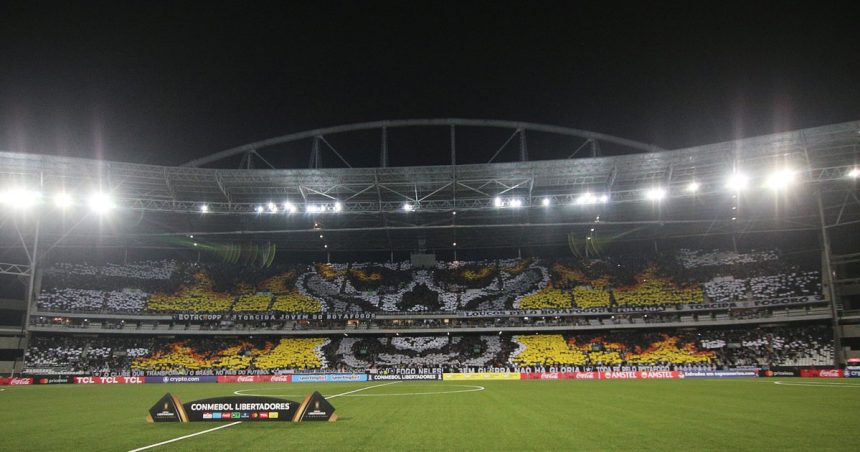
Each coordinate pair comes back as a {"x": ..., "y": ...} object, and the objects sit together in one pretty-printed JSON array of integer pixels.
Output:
[
  {"x": 655, "y": 194},
  {"x": 19, "y": 198},
  {"x": 737, "y": 182},
  {"x": 779, "y": 180},
  {"x": 101, "y": 203}
]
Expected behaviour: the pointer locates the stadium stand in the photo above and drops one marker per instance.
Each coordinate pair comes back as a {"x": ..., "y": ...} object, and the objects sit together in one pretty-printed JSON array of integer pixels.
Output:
[
  {"x": 806, "y": 345},
  {"x": 669, "y": 279}
]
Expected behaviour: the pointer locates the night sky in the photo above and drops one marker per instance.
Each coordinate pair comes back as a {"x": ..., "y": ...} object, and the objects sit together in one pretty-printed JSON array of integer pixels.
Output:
[{"x": 165, "y": 82}]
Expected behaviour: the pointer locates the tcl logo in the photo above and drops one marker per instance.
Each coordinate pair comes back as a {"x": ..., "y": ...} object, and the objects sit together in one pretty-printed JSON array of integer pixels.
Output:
[{"x": 108, "y": 380}]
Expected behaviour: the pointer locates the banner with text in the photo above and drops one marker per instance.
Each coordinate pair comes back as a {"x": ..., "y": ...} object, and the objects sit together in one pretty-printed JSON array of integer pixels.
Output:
[{"x": 481, "y": 376}]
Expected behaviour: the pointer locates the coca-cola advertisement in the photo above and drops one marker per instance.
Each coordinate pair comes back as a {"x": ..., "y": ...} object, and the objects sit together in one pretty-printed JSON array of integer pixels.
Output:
[
  {"x": 619, "y": 375},
  {"x": 16, "y": 381},
  {"x": 821, "y": 373},
  {"x": 254, "y": 379}
]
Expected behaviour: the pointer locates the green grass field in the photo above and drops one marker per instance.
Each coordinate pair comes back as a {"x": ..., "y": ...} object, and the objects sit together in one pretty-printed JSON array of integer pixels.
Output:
[{"x": 749, "y": 414}]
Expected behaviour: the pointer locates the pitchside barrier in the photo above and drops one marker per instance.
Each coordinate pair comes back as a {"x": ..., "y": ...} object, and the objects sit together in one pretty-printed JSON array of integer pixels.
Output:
[{"x": 848, "y": 372}]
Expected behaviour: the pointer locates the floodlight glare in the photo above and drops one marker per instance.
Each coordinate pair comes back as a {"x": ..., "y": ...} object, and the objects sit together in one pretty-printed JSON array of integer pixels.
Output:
[
  {"x": 586, "y": 198},
  {"x": 289, "y": 207},
  {"x": 693, "y": 187},
  {"x": 338, "y": 206},
  {"x": 737, "y": 182},
  {"x": 19, "y": 198},
  {"x": 779, "y": 180},
  {"x": 497, "y": 202},
  {"x": 204, "y": 208},
  {"x": 516, "y": 203},
  {"x": 101, "y": 203},
  {"x": 63, "y": 200},
  {"x": 546, "y": 202},
  {"x": 655, "y": 194},
  {"x": 259, "y": 209},
  {"x": 604, "y": 198},
  {"x": 272, "y": 207},
  {"x": 855, "y": 173},
  {"x": 407, "y": 207}
]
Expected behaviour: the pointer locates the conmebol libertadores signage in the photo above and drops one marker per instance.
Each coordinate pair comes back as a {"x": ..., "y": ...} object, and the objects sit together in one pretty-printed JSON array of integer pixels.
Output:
[{"x": 242, "y": 408}]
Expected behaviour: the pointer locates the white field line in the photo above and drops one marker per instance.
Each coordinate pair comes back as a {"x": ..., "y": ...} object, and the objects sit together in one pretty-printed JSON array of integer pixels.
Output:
[
  {"x": 820, "y": 385},
  {"x": 239, "y": 422},
  {"x": 185, "y": 437}
]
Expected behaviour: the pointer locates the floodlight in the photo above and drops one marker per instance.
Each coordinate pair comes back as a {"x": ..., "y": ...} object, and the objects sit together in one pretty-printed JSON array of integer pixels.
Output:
[
  {"x": 259, "y": 209},
  {"x": 204, "y": 208},
  {"x": 586, "y": 198},
  {"x": 655, "y": 194},
  {"x": 780, "y": 179},
  {"x": 693, "y": 187},
  {"x": 546, "y": 202},
  {"x": 854, "y": 173},
  {"x": 407, "y": 207},
  {"x": 338, "y": 206},
  {"x": 101, "y": 203},
  {"x": 497, "y": 202},
  {"x": 289, "y": 207},
  {"x": 737, "y": 182},
  {"x": 272, "y": 207},
  {"x": 19, "y": 198},
  {"x": 516, "y": 203},
  {"x": 604, "y": 198}
]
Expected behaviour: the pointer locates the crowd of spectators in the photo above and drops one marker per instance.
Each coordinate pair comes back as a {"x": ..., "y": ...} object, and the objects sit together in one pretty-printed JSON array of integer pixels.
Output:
[
  {"x": 667, "y": 279},
  {"x": 761, "y": 347}
]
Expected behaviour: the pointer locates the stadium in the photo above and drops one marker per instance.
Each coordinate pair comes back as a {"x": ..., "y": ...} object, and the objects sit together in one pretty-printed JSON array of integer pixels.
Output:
[{"x": 476, "y": 306}]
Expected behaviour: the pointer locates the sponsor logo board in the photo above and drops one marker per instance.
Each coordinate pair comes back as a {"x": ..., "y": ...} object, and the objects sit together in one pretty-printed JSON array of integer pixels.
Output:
[
  {"x": 250, "y": 408},
  {"x": 482, "y": 376}
]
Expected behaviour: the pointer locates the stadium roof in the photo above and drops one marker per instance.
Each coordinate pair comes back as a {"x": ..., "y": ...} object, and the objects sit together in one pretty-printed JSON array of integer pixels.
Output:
[{"x": 490, "y": 205}]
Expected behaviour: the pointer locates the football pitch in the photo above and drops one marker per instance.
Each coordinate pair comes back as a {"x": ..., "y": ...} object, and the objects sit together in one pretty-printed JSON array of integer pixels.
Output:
[{"x": 748, "y": 414}]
